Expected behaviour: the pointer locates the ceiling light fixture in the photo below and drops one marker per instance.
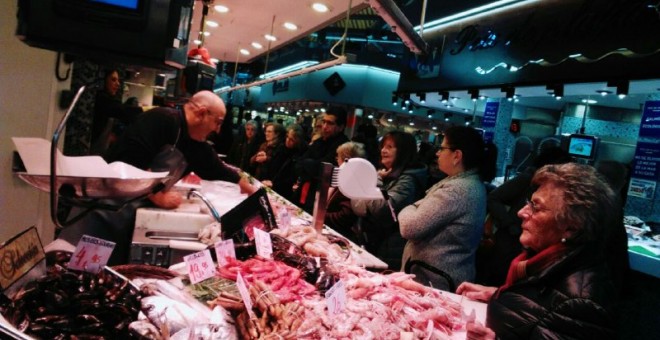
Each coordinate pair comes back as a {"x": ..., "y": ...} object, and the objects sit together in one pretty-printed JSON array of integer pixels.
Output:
[
  {"x": 468, "y": 120},
  {"x": 509, "y": 92},
  {"x": 603, "y": 93},
  {"x": 400, "y": 25},
  {"x": 211, "y": 23},
  {"x": 489, "y": 9},
  {"x": 221, "y": 8},
  {"x": 290, "y": 26},
  {"x": 338, "y": 61},
  {"x": 474, "y": 94},
  {"x": 245, "y": 52},
  {"x": 430, "y": 113},
  {"x": 589, "y": 101},
  {"x": 556, "y": 90},
  {"x": 270, "y": 37},
  {"x": 622, "y": 87},
  {"x": 257, "y": 45},
  {"x": 422, "y": 97},
  {"x": 444, "y": 96},
  {"x": 447, "y": 116},
  {"x": 395, "y": 100},
  {"x": 319, "y": 7}
]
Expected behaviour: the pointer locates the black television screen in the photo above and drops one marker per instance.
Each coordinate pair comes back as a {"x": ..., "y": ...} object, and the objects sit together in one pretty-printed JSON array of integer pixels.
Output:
[
  {"x": 582, "y": 146},
  {"x": 151, "y": 33},
  {"x": 131, "y": 4}
]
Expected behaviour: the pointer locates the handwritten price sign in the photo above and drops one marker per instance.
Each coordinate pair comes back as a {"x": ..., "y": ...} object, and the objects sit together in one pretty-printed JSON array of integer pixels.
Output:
[
  {"x": 245, "y": 294},
  {"x": 223, "y": 250},
  {"x": 91, "y": 254},
  {"x": 200, "y": 266},
  {"x": 263, "y": 243},
  {"x": 335, "y": 298}
]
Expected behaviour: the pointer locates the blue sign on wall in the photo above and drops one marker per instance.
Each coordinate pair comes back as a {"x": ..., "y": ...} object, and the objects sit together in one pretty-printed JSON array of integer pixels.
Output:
[
  {"x": 650, "y": 126},
  {"x": 645, "y": 162},
  {"x": 490, "y": 115}
]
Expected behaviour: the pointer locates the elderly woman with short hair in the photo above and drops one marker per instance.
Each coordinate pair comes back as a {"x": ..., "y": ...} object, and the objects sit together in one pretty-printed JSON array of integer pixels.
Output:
[{"x": 560, "y": 286}]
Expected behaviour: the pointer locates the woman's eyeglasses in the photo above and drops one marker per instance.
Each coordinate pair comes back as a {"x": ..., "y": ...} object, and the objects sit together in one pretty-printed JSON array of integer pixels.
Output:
[{"x": 532, "y": 206}]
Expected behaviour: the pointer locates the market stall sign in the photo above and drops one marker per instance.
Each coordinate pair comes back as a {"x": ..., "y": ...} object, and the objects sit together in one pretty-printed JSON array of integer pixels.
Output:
[
  {"x": 224, "y": 249},
  {"x": 19, "y": 255},
  {"x": 200, "y": 266},
  {"x": 91, "y": 254},
  {"x": 263, "y": 243}
]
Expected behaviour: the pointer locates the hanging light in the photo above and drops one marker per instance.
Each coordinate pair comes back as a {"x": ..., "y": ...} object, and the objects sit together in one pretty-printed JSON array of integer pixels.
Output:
[
  {"x": 474, "y": 94},
  {"x": 422, "y": 97},
  {"x": 395, "y": 100},
  {"x": 447, "y": 116},
  {"x": 444, "y": 96}
]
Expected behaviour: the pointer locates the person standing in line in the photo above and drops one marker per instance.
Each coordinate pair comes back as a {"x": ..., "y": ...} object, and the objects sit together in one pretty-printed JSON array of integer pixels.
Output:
[
  {"x": 284, "y": 177},
  {"x": 444, "y": 228},
  {"x": 108, "y": 110},
  {"x": 404, "y": 180},
  {"x": 560, "y": 286},
  {"x": 321, "y": 150},
  {"x": 268, "y": 151},
  {"x": 246, "y": 146}
]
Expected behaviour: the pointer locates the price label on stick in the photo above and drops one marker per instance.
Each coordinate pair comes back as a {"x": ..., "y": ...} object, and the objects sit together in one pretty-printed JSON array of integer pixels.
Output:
[
  {"x": 245, "y": 294},
  {"x": 263, "y": 243},
  {"x": 223, "y": 250},
  {"x": 335, "y": 297},
  {"x": 200, "y": 266},
  {"x": 91, "y": 254}
]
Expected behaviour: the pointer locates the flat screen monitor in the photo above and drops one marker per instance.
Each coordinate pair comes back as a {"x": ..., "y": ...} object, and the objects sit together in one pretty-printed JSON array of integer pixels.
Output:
[{"x": 582, "y": 146}]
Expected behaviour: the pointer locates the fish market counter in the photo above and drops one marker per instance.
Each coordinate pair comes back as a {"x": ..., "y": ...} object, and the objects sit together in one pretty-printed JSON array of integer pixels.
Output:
[{"x": 162, "y": 237}]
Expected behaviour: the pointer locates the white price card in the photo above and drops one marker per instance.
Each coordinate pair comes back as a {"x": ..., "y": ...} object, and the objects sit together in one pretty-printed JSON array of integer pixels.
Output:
[
  {"x": 200, "y": 266},
  {"x": 91, "y": 254},
  {"x": 245, "y": 294},
  {"x": 223, "y": 250},
  {"x": 263, "y": 243},
  {"x": 335, "y": 297}
]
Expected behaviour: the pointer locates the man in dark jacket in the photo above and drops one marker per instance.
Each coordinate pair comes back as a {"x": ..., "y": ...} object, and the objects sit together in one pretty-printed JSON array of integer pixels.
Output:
[{"x": 321, "y": 150}]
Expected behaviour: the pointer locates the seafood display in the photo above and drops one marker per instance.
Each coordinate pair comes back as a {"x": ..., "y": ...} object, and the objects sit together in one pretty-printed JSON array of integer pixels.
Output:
[
  {"x": 382, "y": 307},
  {"x": 331, "y": 247},
  {"x": 168, "y": 310},
  {"x": 74, "y": 305},
  {"x": 286, "y": 282},
  {"x": 272, "y": 319}
]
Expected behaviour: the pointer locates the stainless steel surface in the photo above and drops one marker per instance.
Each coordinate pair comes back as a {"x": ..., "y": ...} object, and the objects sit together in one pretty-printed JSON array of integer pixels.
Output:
[
  {"x": 171, "y": 235},
  {"x": 89, "y": 187},
  {"x": 214, "y": 212}
]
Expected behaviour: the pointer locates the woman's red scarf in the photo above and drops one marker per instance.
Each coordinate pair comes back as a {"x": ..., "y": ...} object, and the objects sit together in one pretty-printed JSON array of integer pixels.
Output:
[{"x": 525, "y": 266}]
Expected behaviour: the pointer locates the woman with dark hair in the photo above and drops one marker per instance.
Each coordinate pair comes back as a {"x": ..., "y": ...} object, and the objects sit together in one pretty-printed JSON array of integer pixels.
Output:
[
  {"x": 108, "y": 109},
  {"x": 560, "y": 286},
  {"x": 283, "y": 174},
  {"x": 444, "y": 228},
  {"x": 404, "y": 180},
  {"x": 275, "y": 134}
]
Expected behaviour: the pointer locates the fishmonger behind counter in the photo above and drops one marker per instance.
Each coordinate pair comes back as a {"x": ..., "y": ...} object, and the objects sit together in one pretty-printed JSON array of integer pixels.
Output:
[{"x": 161, "y": 139}]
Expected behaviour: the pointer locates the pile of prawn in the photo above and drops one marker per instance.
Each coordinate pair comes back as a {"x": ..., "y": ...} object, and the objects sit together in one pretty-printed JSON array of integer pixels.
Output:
[
  {"x": 286, "y": 282},
  {"x": 314, "y": 244},
  {"x": 382, "y": 307}
]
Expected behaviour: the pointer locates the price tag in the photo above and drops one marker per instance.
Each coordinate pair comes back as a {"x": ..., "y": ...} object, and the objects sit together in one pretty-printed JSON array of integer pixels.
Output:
[
  {"x": 335, "y": 297},
  {"x": 223, "y": 250},
  {"x": 200, "y": 266},
  {"x": 284, "y": 219},
  {"x": 91, "y": 254},
  {"x": 263, "y": 243},
  {"x": 245, "y": 294}
]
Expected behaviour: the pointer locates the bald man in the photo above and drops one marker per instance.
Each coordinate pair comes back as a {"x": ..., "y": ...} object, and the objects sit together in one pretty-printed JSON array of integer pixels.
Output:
[{"x": 145, "y": 145}]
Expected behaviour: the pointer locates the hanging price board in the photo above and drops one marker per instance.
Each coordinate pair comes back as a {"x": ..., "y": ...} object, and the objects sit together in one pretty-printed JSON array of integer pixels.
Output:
[
  {"x": 263, "y": 243},
  {"x": 200, "y": 266},
  {"x": 223, "y": 250},
  {"x": 336, "y": 298},
  {"x": 91, "y": 254}
]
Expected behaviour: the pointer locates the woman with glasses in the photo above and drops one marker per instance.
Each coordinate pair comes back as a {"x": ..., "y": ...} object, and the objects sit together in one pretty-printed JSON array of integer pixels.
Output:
[
  {"x": 443, "y": 229},
  {"x": 559, "y": 287}
]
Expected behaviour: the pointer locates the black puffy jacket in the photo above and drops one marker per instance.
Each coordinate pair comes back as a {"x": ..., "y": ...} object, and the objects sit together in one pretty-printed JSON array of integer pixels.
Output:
[{"x": 572, "y": 299}]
